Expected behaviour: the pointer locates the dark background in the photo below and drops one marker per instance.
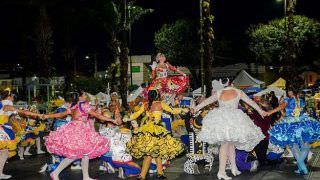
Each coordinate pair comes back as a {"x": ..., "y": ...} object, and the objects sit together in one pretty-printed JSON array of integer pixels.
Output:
[{"x": 232, "y": 18}]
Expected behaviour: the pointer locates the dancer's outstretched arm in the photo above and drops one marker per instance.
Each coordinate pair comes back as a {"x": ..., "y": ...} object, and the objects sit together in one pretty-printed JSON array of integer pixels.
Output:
[
  {"x": 136, "y": 114},
  {"x": 101, "y": 117},
  {"x": 21, "y": 112},
  {"x": 251, "y": 103},
  {"x": 206, "y": 102},
  {"x": 282, "y": 106},
  {"x": 167, "y": 108},
  {"x": 56, "y": 115},
  {"x": 172, "y": 68}
]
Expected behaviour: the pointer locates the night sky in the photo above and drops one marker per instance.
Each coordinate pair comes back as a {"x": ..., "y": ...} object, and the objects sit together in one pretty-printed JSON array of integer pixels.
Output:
[{"x": 232, "y": 18}]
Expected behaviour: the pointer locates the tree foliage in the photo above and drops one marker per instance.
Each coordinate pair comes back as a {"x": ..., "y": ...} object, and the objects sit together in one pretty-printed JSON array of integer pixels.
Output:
[
  {"x": 89, "y": 84},
  {"x": 268, "y": 41},
  {"x": 179, "y": 42}
]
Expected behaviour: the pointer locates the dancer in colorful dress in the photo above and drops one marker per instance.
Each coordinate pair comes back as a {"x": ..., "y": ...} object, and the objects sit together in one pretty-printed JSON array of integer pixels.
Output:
[
  {"x": 77, "y": 139},
  {"x": 161, "y": 80},
  {"x": 8, "y": 140},
  {"x": 34, "y": 131},
  {"x": 151, "y": 139},
  {"x": 296, "y": 130},
  {"x": 55, "y": 160},
  {"x": 230, "y": 127},
  {"x": 198, "y": 151},
  {"x": 118, "y": 157}
]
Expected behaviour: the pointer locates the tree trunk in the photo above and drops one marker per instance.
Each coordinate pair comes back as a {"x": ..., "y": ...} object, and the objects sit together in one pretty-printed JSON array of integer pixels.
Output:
[
  {"x": 290, "y": 72},
  {"x": 123, "y": 36},
  {"x": 208, "y": 37},
  {"x": 44, "y": 43}
]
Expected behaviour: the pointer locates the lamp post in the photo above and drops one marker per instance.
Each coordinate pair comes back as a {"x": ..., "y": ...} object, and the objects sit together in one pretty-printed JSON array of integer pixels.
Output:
[{"x": 130, "y": 40}]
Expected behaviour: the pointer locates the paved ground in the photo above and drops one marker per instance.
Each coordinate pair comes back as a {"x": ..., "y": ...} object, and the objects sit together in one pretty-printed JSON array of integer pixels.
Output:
[{"x": 28, "y": 170}]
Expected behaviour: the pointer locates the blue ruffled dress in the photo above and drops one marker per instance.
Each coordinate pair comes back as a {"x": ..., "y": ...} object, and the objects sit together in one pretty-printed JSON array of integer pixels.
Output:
[{"x": 296, "y": 127}]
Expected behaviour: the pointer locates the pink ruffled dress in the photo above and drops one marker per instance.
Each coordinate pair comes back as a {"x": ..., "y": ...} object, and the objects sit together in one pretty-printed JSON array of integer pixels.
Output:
[{"x": 77, "y": 138}]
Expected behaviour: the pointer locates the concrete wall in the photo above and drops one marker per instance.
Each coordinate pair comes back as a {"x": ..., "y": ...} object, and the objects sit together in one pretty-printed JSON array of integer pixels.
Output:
[{"x": 139, "y": 65}]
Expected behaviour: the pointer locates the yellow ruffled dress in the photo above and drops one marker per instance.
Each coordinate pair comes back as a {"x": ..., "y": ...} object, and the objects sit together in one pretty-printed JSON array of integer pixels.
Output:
[
  {"x": 8, "y": 140},
  {"x": 151, "y": 138}
]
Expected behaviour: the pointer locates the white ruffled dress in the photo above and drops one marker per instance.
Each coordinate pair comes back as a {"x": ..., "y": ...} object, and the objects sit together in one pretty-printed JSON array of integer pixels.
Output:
[{"x": 229, "y": 124}]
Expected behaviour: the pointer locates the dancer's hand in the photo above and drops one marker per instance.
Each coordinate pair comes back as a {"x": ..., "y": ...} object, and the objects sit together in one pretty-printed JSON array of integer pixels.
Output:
[
  {"x": 125, "y": 119},
  {"x": 185, "y": 110},
  {"x": 265, "y": 114},
  {"x": 192, "y": 111},
  {"x": 134, "y": 124},
  {"x": 42, "y": 116},
  {"x": 154, "y": 65},
  {"x": 117, "y": 121}
]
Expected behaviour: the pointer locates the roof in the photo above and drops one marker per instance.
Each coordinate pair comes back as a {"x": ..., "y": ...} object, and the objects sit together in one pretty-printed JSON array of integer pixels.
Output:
[
  {"x": 246, "y": 80},
  {"x": 280, "y": 83}
]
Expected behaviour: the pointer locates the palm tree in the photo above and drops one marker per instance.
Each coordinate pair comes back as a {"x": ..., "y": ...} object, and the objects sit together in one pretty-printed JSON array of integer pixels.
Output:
[
  {"x": 119, "y": 44},
  {"x": 44, "y": 43},
  {"x": 208, "y": 38},
  {"x": 290, "y": 71}
]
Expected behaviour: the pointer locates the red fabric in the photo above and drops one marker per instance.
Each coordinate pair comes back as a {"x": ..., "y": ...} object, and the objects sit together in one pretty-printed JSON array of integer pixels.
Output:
[
  {"x": 171, "y": 85},
  {"x": 263, "y": 123}
]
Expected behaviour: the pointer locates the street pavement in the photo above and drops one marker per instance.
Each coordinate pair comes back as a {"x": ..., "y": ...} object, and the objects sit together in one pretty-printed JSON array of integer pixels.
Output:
[{"x": 28, "y": 170}]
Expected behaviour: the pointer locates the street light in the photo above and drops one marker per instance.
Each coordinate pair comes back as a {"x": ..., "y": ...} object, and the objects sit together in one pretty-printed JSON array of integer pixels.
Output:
[{"x": 95, "y": 62}]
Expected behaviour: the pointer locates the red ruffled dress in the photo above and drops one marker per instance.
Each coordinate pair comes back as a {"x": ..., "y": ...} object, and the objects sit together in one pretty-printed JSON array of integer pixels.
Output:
[{"x": 166, "y": 84}]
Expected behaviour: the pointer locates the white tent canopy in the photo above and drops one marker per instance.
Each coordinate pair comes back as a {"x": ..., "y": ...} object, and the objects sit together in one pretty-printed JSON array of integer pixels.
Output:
[
  {"x": 103, "y": 97},
  {"x": 216, "y": 85},
  {"x": 197, "y": 92},
  {"x": 278, "y": 92},
  {"x": 132, "y": 96},
  {"x": 244, "y": 80}
]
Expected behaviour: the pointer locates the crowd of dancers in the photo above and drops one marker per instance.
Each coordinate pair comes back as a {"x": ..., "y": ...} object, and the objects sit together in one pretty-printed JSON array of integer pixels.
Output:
[{"x": 244, "y": 134}]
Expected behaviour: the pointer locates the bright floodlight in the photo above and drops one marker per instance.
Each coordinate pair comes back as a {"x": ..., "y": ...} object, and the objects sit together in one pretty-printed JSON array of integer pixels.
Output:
[{"x": 87, "y": 57}]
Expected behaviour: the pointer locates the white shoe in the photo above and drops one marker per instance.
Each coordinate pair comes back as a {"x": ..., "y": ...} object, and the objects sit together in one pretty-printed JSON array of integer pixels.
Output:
[
  {"x": 40, "y": 152},
  {"x": 102, "y": 168},
  {"x": 152, "y": 171},
  {"x": 310, "y": 154},
  {"x": 287, "y": 154},
  {"x": 76, "y": 167},
  {"x": 27, "y": 153},
  {"x": 254, "y": 167},
  {"x": 110, "y": 169},
  {"x": 43, "y": 168},
  {"x": 4, "y": 176},
  {"x": 223, "y": 176},
  {"x": 196, "y": 169},
  {"x": 121, "y": 174},
  {"x": 235, "y": 172}
]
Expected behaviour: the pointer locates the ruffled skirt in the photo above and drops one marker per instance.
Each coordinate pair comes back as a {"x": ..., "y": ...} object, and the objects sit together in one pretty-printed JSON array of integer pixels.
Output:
[
  {"x": 76, "y": 140},
  {"x": 8, "y": 140},
  {"x": 295, "y": 130},
  {"x": 171, "y": 85},
  {"x": 32, "y": 134},
  {"x": 154, "y": 140},
  {"x": 226, "y": 125}
]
